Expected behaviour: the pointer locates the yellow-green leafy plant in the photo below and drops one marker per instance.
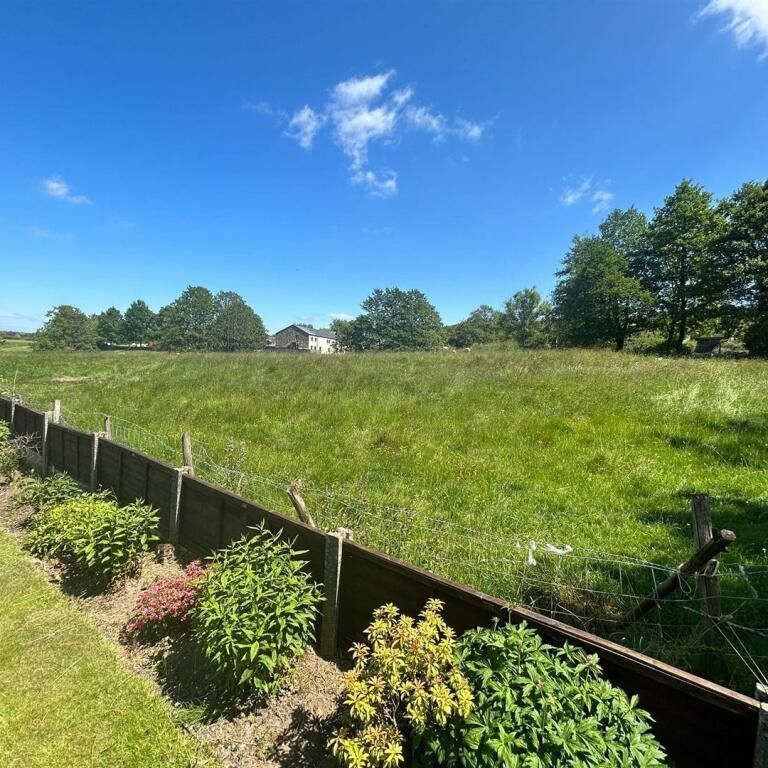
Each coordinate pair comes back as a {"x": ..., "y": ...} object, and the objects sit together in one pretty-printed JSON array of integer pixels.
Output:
[{"x": 405, "y": 679}]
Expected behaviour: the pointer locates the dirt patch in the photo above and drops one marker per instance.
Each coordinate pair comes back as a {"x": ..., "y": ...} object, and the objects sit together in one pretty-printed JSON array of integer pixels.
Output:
[
  {"x": 69, "y": 379},
  {"x": 289, "y": 731}
]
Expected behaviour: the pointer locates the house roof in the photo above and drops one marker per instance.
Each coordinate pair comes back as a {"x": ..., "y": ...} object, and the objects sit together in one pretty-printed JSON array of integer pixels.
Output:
[{"x": 322, "y": 332}]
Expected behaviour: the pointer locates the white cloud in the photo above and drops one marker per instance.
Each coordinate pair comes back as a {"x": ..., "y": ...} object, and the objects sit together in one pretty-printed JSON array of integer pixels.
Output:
[
  {"x": 602, "y": 200},
  {"x": 341, "y": 316},
  {"x": 748, "y": 20},
  {"x": 572, "y": 195},
  {"x": 363, "y": 111},
  {"x": 58, "y": 188},
  {"x": 382, "y": 184},
  {"x": 304, "y": 125}
]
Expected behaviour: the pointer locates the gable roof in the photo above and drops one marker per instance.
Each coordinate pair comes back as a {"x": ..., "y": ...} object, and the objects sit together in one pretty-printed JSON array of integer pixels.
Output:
[{"x": 323, "y": 333}]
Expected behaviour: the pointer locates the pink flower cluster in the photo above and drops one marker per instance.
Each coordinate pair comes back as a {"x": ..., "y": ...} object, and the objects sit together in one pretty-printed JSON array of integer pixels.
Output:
[{"x": 166, "y": 606}]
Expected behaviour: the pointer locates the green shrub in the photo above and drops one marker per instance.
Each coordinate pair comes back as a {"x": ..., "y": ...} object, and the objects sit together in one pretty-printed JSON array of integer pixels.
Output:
[
  {"x": 255, "y": 613},
  {"x": 9, "y": 460},
  {"x": 40, "y": 492},
  {"x": 407, "y": 679},
  {"x": 536, "y": 705},
  {"x": 92, "y": 535}
]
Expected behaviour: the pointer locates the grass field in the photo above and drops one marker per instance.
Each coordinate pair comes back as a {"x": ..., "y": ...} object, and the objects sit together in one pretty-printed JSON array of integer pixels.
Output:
[
  {"x": 595, "y": 450},
  {"x": 65, "y": 699},
  {"x": 15, "y": 345}
]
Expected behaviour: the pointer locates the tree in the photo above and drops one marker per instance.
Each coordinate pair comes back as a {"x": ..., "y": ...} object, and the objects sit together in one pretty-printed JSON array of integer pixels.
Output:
[
  {"x": 109, "y": 325},
  {"x": 627, "y": 233},
  {"x": 745, "y": 244},
  {"x": 186, "y": 323},
  {"x": 526, "y": 317},
  {"x": 596, "y": 300},
  {"x": 67, "y": 328},
  {"x": 481, "y": 327},
  {"x": 139, "y": 324},
  {"x": 236, "y": 328},
  {"x": 396, "y": 319},
  {"x": 682, "y": 267}
]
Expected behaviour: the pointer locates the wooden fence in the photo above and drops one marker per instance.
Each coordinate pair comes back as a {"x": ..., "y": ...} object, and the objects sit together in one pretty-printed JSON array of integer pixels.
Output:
[{"x": 700, "y": 723}]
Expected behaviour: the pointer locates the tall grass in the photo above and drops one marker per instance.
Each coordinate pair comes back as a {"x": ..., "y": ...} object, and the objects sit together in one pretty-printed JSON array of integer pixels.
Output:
[{"x": 593, "y": 450}]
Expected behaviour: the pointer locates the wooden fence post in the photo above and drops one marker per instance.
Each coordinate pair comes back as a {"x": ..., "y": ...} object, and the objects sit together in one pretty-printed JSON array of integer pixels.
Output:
[
  {"x": 761, "y": 740},
  {"x": 107, "y": 427},
  {"x": 299, "y": 504},
  {"x": 709, "y": 581},
  {"x": 186, "y": 448},
  {"x": 44, "y": 446},
  {"x": 329, "y": 630},
  {"x": 174, "y": 518},
  {"x": 56, "y": 418},
  {"x": 94, "y": 459}
]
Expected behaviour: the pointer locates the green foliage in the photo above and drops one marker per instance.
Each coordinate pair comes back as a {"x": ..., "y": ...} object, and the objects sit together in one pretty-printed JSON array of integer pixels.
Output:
[
  {"x": 67, "y": 328},
  {"x": 236, "y": 327},
  {"x": 394, "y": 319},
  {"x": 9, "y": 460},
  {"x": 255, "y": 613},
  {"x": 405, "y": 681},
  {"x": 536, "y": 705},
  {"x": 92, "y": 535},
  {"x": 109, "y": 326},
  {"x": 186, "y": 323},
  {"x": 483, "y": 326},
  {"x": 139, "y": 324},
  {"x": 41, "y": 492},
  {"x": 526, "y": 318}
]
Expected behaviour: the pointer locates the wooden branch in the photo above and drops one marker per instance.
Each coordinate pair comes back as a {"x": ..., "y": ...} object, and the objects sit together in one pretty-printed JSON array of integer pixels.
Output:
[
  {"x": 299, "y": 504},
  {"x": 719, "y": 543}
]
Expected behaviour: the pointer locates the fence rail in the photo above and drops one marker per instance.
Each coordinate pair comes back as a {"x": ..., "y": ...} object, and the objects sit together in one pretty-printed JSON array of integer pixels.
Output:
[{"x": 700, "y": 723}]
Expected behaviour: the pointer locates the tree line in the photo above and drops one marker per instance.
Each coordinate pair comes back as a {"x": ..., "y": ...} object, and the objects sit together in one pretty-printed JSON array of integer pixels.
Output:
[
  {"x": 197, "y": 320},
  {"x": 695, "y": 267}
]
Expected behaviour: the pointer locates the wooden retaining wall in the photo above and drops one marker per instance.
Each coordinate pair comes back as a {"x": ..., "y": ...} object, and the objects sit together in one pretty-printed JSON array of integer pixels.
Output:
[{"x": 701, "y": 724}]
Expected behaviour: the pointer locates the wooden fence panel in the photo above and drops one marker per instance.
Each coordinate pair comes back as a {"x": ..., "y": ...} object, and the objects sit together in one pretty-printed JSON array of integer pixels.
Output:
[
  {"x": 5, "y": 410},
  {"x": 700, "y": 724},
  {"x": 69, "y": 450},
  {"x": 131, "y": 475},
  {"x": 28, "y": 422},
  {"x": 211, "y": 518}
]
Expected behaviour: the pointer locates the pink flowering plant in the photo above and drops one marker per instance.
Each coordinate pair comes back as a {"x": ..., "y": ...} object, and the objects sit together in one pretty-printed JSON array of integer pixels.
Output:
[{"x": 165, "y": 607}]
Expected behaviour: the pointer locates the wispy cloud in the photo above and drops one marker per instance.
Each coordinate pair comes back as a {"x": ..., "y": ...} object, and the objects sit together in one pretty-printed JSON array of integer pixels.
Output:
[
  {"x": 341, "y": 316},
  {"x": 58, "y": 188},
  {"x": 363, "y": 111},
  {"x": 571, "y": 195},
  {"x": 748, "y": 21},
  {"x": 41, "y": 233},
  {"x": 587, "y": 189},
  {"x": 602, "y": 199}
]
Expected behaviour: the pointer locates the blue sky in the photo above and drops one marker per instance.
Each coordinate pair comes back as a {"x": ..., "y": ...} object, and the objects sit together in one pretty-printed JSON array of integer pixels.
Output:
[{"x": 303, "y": 154}]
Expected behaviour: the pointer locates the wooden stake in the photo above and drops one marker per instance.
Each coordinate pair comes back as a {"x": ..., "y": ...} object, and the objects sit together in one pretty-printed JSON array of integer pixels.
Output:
[
  {"x": 329, "y": 629},
  {"x": 761, "y": 741},
  {"x": 719, "y": 543},
  {"x": 186, "y": 447},
  {"x": 709, "y": 581},
  {"x": 174, "y": 521},
  {"x": 299, "y": 504}
]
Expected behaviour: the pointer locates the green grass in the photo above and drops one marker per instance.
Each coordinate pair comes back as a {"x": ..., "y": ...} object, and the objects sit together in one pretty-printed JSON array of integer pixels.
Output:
[
  {"x": 595, "y": 450},
  {"x": 15, "y": 345},
  {"x": 65, "y": 699}
]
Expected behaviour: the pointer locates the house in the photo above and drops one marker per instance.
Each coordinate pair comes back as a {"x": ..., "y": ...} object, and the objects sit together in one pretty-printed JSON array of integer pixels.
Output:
[{"x": 302, "y": 338}]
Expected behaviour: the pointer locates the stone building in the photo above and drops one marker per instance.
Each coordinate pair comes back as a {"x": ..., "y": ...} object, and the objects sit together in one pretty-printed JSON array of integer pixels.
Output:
[{"x": 302, "y": 338}]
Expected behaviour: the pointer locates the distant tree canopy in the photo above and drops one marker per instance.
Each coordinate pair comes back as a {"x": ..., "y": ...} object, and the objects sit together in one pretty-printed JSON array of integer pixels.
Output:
[
  {"x": 236, "y": 327},
  {"x": 526, "y": 318},
  {"x": 139, "y": 324},
  {"x": 67, "y": 328},
  {"x": 483, "y": 326},
  {"x": 393, "y": 319},
  {"x": 110, "y": 326}
]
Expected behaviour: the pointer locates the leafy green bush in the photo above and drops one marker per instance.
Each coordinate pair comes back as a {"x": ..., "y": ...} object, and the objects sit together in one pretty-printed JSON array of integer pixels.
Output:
[
  {"x": 407, "y": 679},
  {"x": 9, "y": 460},
  {"x": 91, "y": 534},
  {"x": 536, "y": 705},
  {"x": 255, "y": 613},
  {"x": 40, "y": 492}
]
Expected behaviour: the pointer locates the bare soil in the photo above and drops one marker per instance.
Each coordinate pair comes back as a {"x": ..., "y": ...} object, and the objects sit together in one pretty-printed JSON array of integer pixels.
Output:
[{"x": 288, "y": 730}]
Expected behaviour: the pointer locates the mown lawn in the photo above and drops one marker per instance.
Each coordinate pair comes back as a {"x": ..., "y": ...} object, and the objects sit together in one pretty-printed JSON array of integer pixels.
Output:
[
  {"x": 65, "y": 699},
  {"x": 456, "y": 461}
]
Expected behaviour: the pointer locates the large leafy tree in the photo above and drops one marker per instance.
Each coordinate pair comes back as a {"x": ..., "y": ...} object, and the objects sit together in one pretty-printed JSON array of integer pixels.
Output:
[
  {"x": 236, "y": 327},
  {"x": 186, "y": 323},
  {"x": 109, "y": 325},
  {"x": 481, "y": 327},
  {"x": 67, "y": 328},
  {"x": 139, "y": 323},
  {"x": 396, "y": 319},
  {"x": 596, "y": 300},
  {"x": 745, "y": 244},
  {"x": 526, "y": 318},
  {"x": 683, "y": 268}
]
